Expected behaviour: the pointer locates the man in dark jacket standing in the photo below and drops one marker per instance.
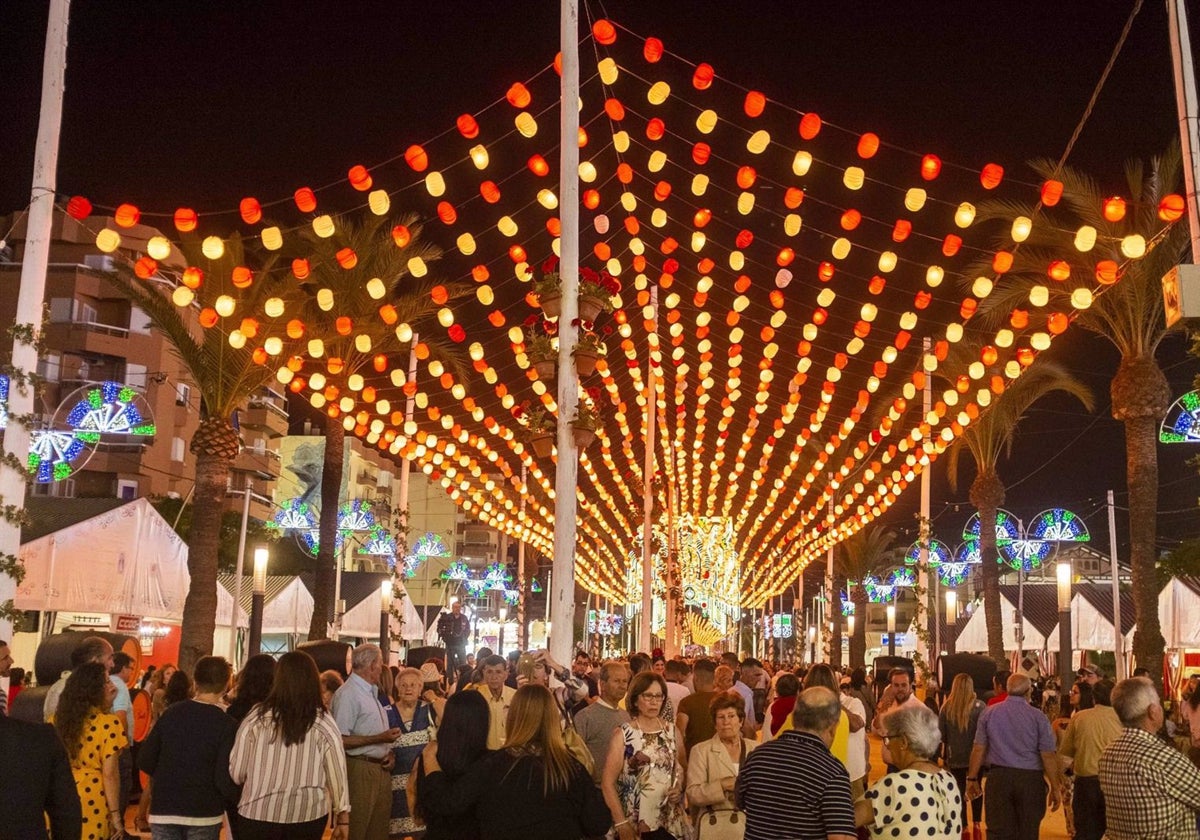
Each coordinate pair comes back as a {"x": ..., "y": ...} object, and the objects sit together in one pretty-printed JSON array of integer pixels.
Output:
[
  {"x": 187, "y": 756},
  {"x": 36, "y": 782}
]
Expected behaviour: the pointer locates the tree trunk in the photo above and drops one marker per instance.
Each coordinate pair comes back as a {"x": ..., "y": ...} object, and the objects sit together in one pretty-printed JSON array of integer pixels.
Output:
[
  {"x": 987, "y": 494},
  {"x": 215, "y": 445},
  {"x": 1140, "y": 396},
  {"x": 858, "y": 639},
  {"x": 835, "y": 615},
  {"x": 325, "y": 579}
]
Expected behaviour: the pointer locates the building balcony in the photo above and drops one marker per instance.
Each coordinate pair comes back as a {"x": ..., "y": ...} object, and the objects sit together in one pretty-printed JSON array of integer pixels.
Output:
[{"x": 262, "y": 464}]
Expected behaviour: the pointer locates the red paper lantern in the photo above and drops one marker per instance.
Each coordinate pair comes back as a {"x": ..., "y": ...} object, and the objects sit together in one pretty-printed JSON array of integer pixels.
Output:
[
  {"x": 346, "y": 258},
  {"x": 127, "y": 215},
  {"x": 447, "y": 213},
  {"x": 868, "y": 145},
  {"x": 468, "y": 127},
  {"x": 991, "y": 176},
  {"x": 518, "y": 95},
  {"x": 360, "y": 178},
  {"x": 1114, "y": 208},
  {"x": 793, "y": 197},
  {"x": 145, "y": 267},
  {"x": 755, "y": 103},
  {"x": 300, "y": 268},
  {"x": 931, "y": 167},
  {"x": 417, "y": 158},
  {"x": 401, "y": 236},
  {"x": 922, "y": 299},
  {"x": 901, "y": 230},
  {"x": 79, "y": 207},
  {"x": 810, "y": 126},
  {"x": 192, "y": 277},
  {"x": 186, "y": 219},
  {"x": 242, "y": 277},
  {"x": 1059, "y": 270},
  {"x": 305, "y": 199},
  {"x": 1107, "y": 272},
  {"x": 655, "y": 129},
  {"x": 746, "y": 177},
  {"x": 489, "y": 191},
  {"x": 251, "y": 210},
  {"x": 1171, "y": 208},
  {"x": 1051, "y": 192},
  {"x": 653, "y": 50},
  {"x": 614, "y": 109},
  {"x": 208, "y": 317},
  {"x": 604, "y": 32},
  {"x": 851, "y": 219},
  {"x": 701, "y": 153},
  {"x": 702, "y": 79},
  {"x": 744, "y": 238},
  {"x": 538, "y": 166}
]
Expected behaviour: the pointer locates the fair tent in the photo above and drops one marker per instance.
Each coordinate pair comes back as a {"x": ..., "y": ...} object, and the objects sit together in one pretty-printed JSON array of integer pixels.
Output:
[
  {"x": 973, "y": 638},
  {"x": 1092, "y": 618},
  {"x": 287, "y": 605},
  {"x": 127, "y": 560},
  {"x": 361, "y": 592},
  {"x": 1179, "y": 613}
]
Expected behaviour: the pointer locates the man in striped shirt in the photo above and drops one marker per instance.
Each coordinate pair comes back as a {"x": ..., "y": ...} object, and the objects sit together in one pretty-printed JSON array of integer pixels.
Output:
[
  {"x": 367, "y": 740},
  {"x": 792, "y": 788},
  {"x": 6, "y": 662}
]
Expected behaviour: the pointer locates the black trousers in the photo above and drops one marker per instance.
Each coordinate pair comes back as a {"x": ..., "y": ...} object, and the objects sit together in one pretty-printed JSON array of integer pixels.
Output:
[
  {"x": 248, "y": 829},
  {"x": 1088, "y": 806},
  {"x": 1016, "y": 803},
  {"x": 960, "y": 776},
  {"x": 456, "y": 655}
]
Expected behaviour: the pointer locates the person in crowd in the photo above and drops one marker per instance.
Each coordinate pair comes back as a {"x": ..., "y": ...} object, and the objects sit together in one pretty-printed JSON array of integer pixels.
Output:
[
  {"x": 658, "y": 664},
  {"x": 175, "y": 686},
  {"x": 1083, "y": 741},
  {"x": 1090, "y": 674},
  {"x": 713, "y": 768},
  {"x": 562, "y": 683},
  {"x": 852, "y": 753},
  {"x": 779, "y": 713},
  {"x": 288, "y": 756},
  {"x": 454, "y": 628},
  {"x": 861, "y": 689},
  {"x": 1016, "y": 741},
  {"x": 692, "y": 719},
  {"x": 157, "y": 689},
  {"x": 120, "y": 674},
  {"x": 723, "y": 678},
  {"x": 958, "y": 721},
  {"x": 416, "y": 721},
  {"x": 932, "y": 690},
  {"x": 919, "y": 799},
  {"x": 6, "y": 661},
  {"x": 331, "y": 681},
  {"x": 1150, "y": 789},
  {"x": 792, "y": 786},
  {"x": 676, "y": 675},
  {"x": 596, "y": 723},
  {"x": 999, "y": 687},
  {"x": 581, "y": 667},
  {"x": 461, "y": 743},
  {"x": 147, "y": 675},
  {"x": 93, "y": 736},
  {"x": 187, "y": 756},
  {"x": 39, "y": 789},
  {"x": 902, "y": 696},
  {"x": 643, "y": 777},
  {"x": 179, "y": 688},
  {"x": 532, "y": 789},
  {"x": 746, "y": 677},
  {"x": 498, "y": 696},
  {"x": 514, "y": 658},
  {"x": 1059, "y": 710},
  {"x": 91, "y": 649},
  {"x": 433, "y": 687},
  {"x": 254, "y": 683},
  {"x": 367, "y": 738},
  {"x": 17, "y": 678}
]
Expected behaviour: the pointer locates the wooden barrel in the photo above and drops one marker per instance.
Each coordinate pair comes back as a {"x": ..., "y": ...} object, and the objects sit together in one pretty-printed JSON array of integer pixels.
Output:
[
  {"x": 140, "y": 725},
  {"x": 30, "y": 704},
  {"x": 329, "y": 655},
  {"x": 980, "y": 668},
  {"x": 417, "y": 655},
  {"x": 54, "y": 654}
]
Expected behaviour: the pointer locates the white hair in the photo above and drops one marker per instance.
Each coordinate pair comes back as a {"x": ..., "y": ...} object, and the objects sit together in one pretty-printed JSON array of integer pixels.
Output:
[
  {"x": 918, "y": 725},
  {"x": 1132, "y": 699},
  {"x": 365, "y": 656}
]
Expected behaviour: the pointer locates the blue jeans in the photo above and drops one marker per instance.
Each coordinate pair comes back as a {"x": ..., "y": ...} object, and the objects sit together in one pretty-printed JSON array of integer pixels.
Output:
[{"x": 185, "y": 832}]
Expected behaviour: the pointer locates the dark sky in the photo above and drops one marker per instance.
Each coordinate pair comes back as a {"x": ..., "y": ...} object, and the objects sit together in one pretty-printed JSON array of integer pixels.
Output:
[{"x": 184, "y": 103}]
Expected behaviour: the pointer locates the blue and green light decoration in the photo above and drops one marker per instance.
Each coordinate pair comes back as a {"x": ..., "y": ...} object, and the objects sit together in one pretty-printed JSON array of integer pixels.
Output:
[
  {"x": 1007, "y": 527},
  {"x": 1024, "y": 555},
  {"x": 1182, "y": 422},
  {"x": 939, "y": 553},
  {"x": 293, "y": 515},
  {"x": 3, "y": 402},
  {"x": 1058, "y": 525},
  {"x": 108, "y": 409},
  {"x": 51, "y": 454},
  {"x": 427, "y": 545}
]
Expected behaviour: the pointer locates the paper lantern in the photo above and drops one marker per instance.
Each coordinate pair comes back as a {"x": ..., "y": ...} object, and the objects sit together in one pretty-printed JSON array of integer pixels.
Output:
[
  {"x": 186, "y": 219},
  {"x": 1051, "y": 192},
  {"x": 964, "y": 215},
  {"x": 754, "y": 104},
  {"x": 446, "y": 212},
  {"x": 982, "y": 287},
  {"x": 208, "y": 317},
  {"x": 1002, "y": 261},
  {"x": 250, "y": 210},
  {"x": 854, "y": 178},
  {"x": 1171, "y": 208},
  {"x": 1022, "y": 226},
  {"x": 1019, "y": 319},
  {"x": 224, "y": 305},
  {"x": 323, "y": 226},
  {"x": 1085, "y": 238},
  {"x": 359, "y": 178},
  {"x": 273, "y": 307},
  {"x": 295, "y": 329},
  {"x": 613, "y": 108},
  {"x": 1113, "y": 209},
  {"x": 707, "y": 121},
  {"x": 108, "y": 240},
  {"x": 212, "y": 247},
  {"x": 467, "y": 126},
  {"x": 325, "y": 299},
  {"x": 538, "y": 166},
  {"x": 1134, "y": 246},
  {"x": 810, "y": 126},
  {"x": 79, "y": 207},
  {"x": 127, "y": 215},
  {"x": 1057, "y": 324},
  {"x": 1059, "y": 270},
  {"x": 379, "y": 202},
  {"x": 1081, "y": 298},
  {"x": 145, "y": 267},
  {"x": 991, "y": 176},
  {"x": 702, "y": 78},
  {"x": 518, "y": 95},
  {"x": 914, "y": 199},
  {"x": 801, "y": 163},
  {"x": 1039, "y": 295},
  {"x": 182, "y": 296},
  {"x": 1107, "y": 272},
  {"x": 192, "y": 277},
  {"x": 401, "y": 236},
  {"x": 435, "y": 184},
  {"x": 158, "y": 247},
  {"x": 300, "y": 268},
  {"x": 272, "y": 238},
  {"x": 653, "y": 50},
  {"x": 758, "y": 142},
  {"x": 417, "y": 158},
  {"x": 305, "y": 199},
  {"x": 934, "y": 276},
  {"x": 868, "y": 145}
]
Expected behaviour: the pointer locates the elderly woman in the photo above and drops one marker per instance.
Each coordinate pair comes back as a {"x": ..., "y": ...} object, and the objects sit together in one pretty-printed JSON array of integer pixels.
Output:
[
  {"x": 416, "y": 722},
  {"x": 713, "y": 768},
  {"x": 919, "y": 797}
]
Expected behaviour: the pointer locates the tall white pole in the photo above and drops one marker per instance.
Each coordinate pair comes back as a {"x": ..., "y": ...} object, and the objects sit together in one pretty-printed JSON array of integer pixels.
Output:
[
  {"x": 825, "y": 631},
  {"x": 645, "y": 626},
  {"x": 237, "y": 578},
  {"x": 406, "y": 470},
  {"x": 33, "y": 284},
  {"x": 522, "y": 584},
  {"x": 1119, "y": 641},
  {"x": 1189, "y": 113},
  {"x": 671, "y": 634},
  {"x": 567, "y": 469},
  {"x": 931, "y": 650}
]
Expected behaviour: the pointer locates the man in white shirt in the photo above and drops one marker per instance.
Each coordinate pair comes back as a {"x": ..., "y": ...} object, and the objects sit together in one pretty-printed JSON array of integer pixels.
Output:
[
  {"x": 498, "y": 696},
  {"x": 91, "y": 649},
  {"x": 120, "y": 675},
  {"x": 900, "y": 682},
  {"x": 367, "y": 740},
  {"x": 677, "y": 672},
  {"x": 856, "y": 748}
]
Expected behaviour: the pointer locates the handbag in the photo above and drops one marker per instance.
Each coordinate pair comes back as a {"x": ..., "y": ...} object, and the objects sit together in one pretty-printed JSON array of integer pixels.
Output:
[
  {"x": 722, "y": 823},
  {"x": 574, "y": 742}
]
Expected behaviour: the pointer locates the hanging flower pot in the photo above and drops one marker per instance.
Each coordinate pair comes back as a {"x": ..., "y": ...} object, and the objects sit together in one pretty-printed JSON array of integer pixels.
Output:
[
  {"x": 585, "y": 361},
  {"x": 590, "y": 307},
  {"x": 551, "y": 304},
  {"x": 542, "y": 445},
  {"x": 546, "y": 368},
  {"x": 583, "y": 436}
]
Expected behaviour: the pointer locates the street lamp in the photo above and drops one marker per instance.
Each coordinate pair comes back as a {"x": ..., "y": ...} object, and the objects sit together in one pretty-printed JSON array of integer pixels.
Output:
[
  {"x": 951, "y": 618},
  {"x": 385, "y": 620},
  {"x": 1064, "y": 624},
  {"x": 258, "y": 599},
  {"x": 891, "y": 627},
  {"x": 500, "y": 641},
  {"x": 850, "y": 624}
]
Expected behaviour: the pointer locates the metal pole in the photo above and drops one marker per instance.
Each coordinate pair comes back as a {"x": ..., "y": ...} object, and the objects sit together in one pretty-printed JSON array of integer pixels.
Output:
[
  {"x": 257, "y": 601},
  {"x": 923, "y": 560},
  {"x": 826, "y": 625},
  {"x": 670, "y": 635},
  {"x": 405, "y": 471},
  {"x": 567, "y": 468},
  {"x": 522, "y": 584},
  {"x": 237, "y": 578},
  {"x": 1118, "y": 639},
  {"x": 1063, "y": 573},
  {"x": 645, "y": 627},
  {"x": 32, "y": 289},
  {"x": 1182, "y": 60}
]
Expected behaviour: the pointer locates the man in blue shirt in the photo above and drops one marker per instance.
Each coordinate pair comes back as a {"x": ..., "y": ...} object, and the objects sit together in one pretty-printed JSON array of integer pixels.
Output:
[
  {"x": 120, "y": 675},
  {"x": 1015, "y": 739}
]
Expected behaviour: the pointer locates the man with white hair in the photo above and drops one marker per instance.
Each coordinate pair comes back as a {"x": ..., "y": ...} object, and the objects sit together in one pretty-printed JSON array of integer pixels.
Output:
[
  {"x": 1150, "y": 789},
  {"x": 367, "y": 740},
  {"x": 1016, "y": 740}
]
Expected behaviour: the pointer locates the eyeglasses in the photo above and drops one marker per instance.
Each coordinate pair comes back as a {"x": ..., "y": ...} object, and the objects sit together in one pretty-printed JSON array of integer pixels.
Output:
[
  {"x": 891, "y": 737},
  {"x": 648, "y": 696}
]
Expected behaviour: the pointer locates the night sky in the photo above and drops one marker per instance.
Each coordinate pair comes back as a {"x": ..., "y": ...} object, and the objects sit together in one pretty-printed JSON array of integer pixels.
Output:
[{"x": 199, "y": 104}]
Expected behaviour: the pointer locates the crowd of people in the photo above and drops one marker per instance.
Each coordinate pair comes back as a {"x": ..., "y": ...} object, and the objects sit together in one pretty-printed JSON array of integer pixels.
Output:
[{"x": 525, "y": 747}]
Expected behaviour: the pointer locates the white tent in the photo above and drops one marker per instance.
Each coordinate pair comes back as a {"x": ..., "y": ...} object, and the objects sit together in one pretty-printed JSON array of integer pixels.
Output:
[
  {"x": 360, "y": 590},
  {"x": 1179, "y": 613},
  {"x": 1091, "y": 618},
  {"x": 287, "y": 607},
  {"x": 973, "y": 638},
  {"x": 125, "y": 561}
]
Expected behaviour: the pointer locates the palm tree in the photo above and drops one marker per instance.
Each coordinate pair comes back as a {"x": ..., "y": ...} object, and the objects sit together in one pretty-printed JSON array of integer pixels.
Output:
[
  {"x": 1130, "y": 315},
  {"x": 989, "y": 439},
  {"x": 379, "y": 275},
  {"x": 225, "y": 375},
  {"x": 870, "y": 551}
]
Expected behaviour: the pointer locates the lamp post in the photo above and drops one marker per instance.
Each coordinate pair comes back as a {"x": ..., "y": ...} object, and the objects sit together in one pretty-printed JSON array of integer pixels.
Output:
[
  {"x": 385, "y": 620},
  {"x": 812, "y": 644},
  {"x": 1064, "y": 624},
  {"x": 850, "y": 624},
  {"x": 951, "y": 618},
  {"x": 257, "y": 599},
  {"x": 500, "y": 641},
  {"x": 891, "y": 625}
]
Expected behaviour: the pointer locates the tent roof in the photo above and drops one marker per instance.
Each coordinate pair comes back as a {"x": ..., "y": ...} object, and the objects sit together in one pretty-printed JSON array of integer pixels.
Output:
[
  {"x": 1040, "y": 604},
  {"x": 276, "y": 584},
  {"x": 47, "y": 515},
  {"x": 1100, "y": 597}
]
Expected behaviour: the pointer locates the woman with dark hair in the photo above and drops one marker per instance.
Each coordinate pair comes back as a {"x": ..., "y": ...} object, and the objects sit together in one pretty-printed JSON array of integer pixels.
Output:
[
  {"x": 533, "y": 789},
  {"x": 288, "y": 755},
  {"x": 643, "y": 775},
  {"x": 157, "y": 689},
  {"x": 714, "y": 765},
  {"x": 461, "y": 743},
  {"x": 179, "y": 687},
  {"x": 862, "y": 690},
  {"x": 253, "y": 685},
  {"x": 787, "y": 686},
  {"x": 93, "y": 736}
]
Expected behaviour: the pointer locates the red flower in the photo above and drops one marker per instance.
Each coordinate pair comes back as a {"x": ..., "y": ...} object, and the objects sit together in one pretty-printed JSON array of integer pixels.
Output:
[
  {"x": 532, "y": 320},
  {"x": 588, "y": 275},
  {"x": 551, "y": 264}
]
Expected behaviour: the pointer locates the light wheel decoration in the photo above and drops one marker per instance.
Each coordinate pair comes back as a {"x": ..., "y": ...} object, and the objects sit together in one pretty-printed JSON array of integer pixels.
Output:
[
  {"x": 1182, "y": 423},
  {"x": 55, "y": 455},
  {"x": 107, "y": 410}
]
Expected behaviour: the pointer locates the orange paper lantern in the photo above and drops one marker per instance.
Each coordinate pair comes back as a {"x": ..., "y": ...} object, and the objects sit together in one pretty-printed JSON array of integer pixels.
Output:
[
  {"x": 746, "y": 177},
  {"x": 1107, "y": 272},
  {"x": 850, "y": 219},
  {"x": 360, "y": 178},
  {"x": 991, "y": 176},
  {"x": 401, "y": 236},
  {"x": 79, "y": 207},
  {"x": 242, "y": 277},
  {"x": 192, "y": 277},
  {"x": 655, "y": 129},
  {"x": 538, "y": 166},
  {"x": 604, "y": 32},
  {"x": 702, "y": 78},
  {"x": 300, "y": 268},
  {"x": 1051, "y": 192},
  {"x": 868, "y": 145},
  {"x": 250, "y": 210},
  {"x": 145, "y": 267},
  {"x": 417, "y": 158},
  {"x": 1059, "y": 270},
  {"x": 1114, "y": 208},
  {"x": 901, "y": 230},
  {"x": 614, "y": 109},
  {"x": 793, "y": 197},
  {"x": 447, "y": 213},
  {"x": 305, "y": 199},
  {"x": 810, "y": 126},
  {"x": 186, "y": 219},
  {"x": 518, "y": 95},
  {"x": 468, "y": 127},
  {"x": 700, "y": 153},
  {"x": 931, "y": 167},
  {"x": 754, "y": 104},
  {"x": 1171, "y": 208},
  {"x": 1002, "y": 262},
  {"x": 346, "y": 258},
  {"x": 127, "y": 215}
]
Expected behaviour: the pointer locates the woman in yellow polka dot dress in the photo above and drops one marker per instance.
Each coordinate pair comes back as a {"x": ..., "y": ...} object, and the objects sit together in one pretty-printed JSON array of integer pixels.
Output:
[{"x": 93, "y": 736}]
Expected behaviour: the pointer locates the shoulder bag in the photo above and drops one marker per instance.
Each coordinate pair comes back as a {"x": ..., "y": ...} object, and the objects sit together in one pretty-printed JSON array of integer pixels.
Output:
[{"x": 714, "y": 823}]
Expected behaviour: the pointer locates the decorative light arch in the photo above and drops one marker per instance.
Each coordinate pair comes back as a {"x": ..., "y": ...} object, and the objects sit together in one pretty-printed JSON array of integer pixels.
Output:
[
  {"x": 1008, "y": 528},
  {"x": 939, "y": 553},
  {"x": 1059, "y": 525},
  {"x": 1182, "y": 422}
]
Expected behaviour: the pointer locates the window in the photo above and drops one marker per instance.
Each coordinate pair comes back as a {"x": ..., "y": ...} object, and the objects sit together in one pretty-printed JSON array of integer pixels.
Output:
[
  {"x": 139, "y": 321},
  {"x": 50, "y": 367},
  {"x": 178, "y": 448},
  {"x": 183, "y": 393},
  {"x": 85, "y": 313},
  {"x": 61, "y": 310},
  {"x": 127, "y": 489},
  {"x": 135, "y": 375},
  {"x": 64, "y": 489}
]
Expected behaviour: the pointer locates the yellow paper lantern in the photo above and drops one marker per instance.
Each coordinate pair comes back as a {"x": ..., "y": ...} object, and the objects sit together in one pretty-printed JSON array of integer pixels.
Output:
[
  {"x": 323, "y": 226},
  {"x": 273, "y": 307},
  {"x": 417, "y": 267},
  {"x": 745, "y": 203},
  {"x": 159, "y": 247},
  {"x": 182, "y": 296},
  {"x": 466, "y": 244},
  {"x": 607, "y": 69},
  {"x": 914, "y": 199},
  {"x": 707, "y": 121},
  {"x": 887, "y": 261},
  {"x": 379, "y": 202},
  {"x": 362, "y": 343},
  {"x": 801, "y": 163},
  {"x": 840, "y": 248},
  {"x": 325, "y": 299},
  {"x": 224, "y": 306},
  {"x": 273, "y": 345},
  {"x": 587, "y": 171},
  {"x": 854, "y": 178},
  {"x": 479, "y": 156},
  {"x": 435, "y": 184},
  {"x": 1039, "y": 295},
  {"x": 1022, "y": 226},
  {"x": 658, "y": 93},
  {"x": 547, "y": 199},
  {"x": 237, "y": 340},
  {"x": 1134, "y": 246},
  {"x": 272, "y": 238},
  {"x": 212, "y": 247},
  {"x": 758, "y": 142},
  {"x": 526, "y": 125},
  {"x": 108, "y": 240},
  {"x": 982, "y": 287},
  {"x": 964, "y": 215},
  {"x": 934, "y": 276},
  {"x": 1085, "y": 238},
  {"x": 1081, "y": 298}
]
